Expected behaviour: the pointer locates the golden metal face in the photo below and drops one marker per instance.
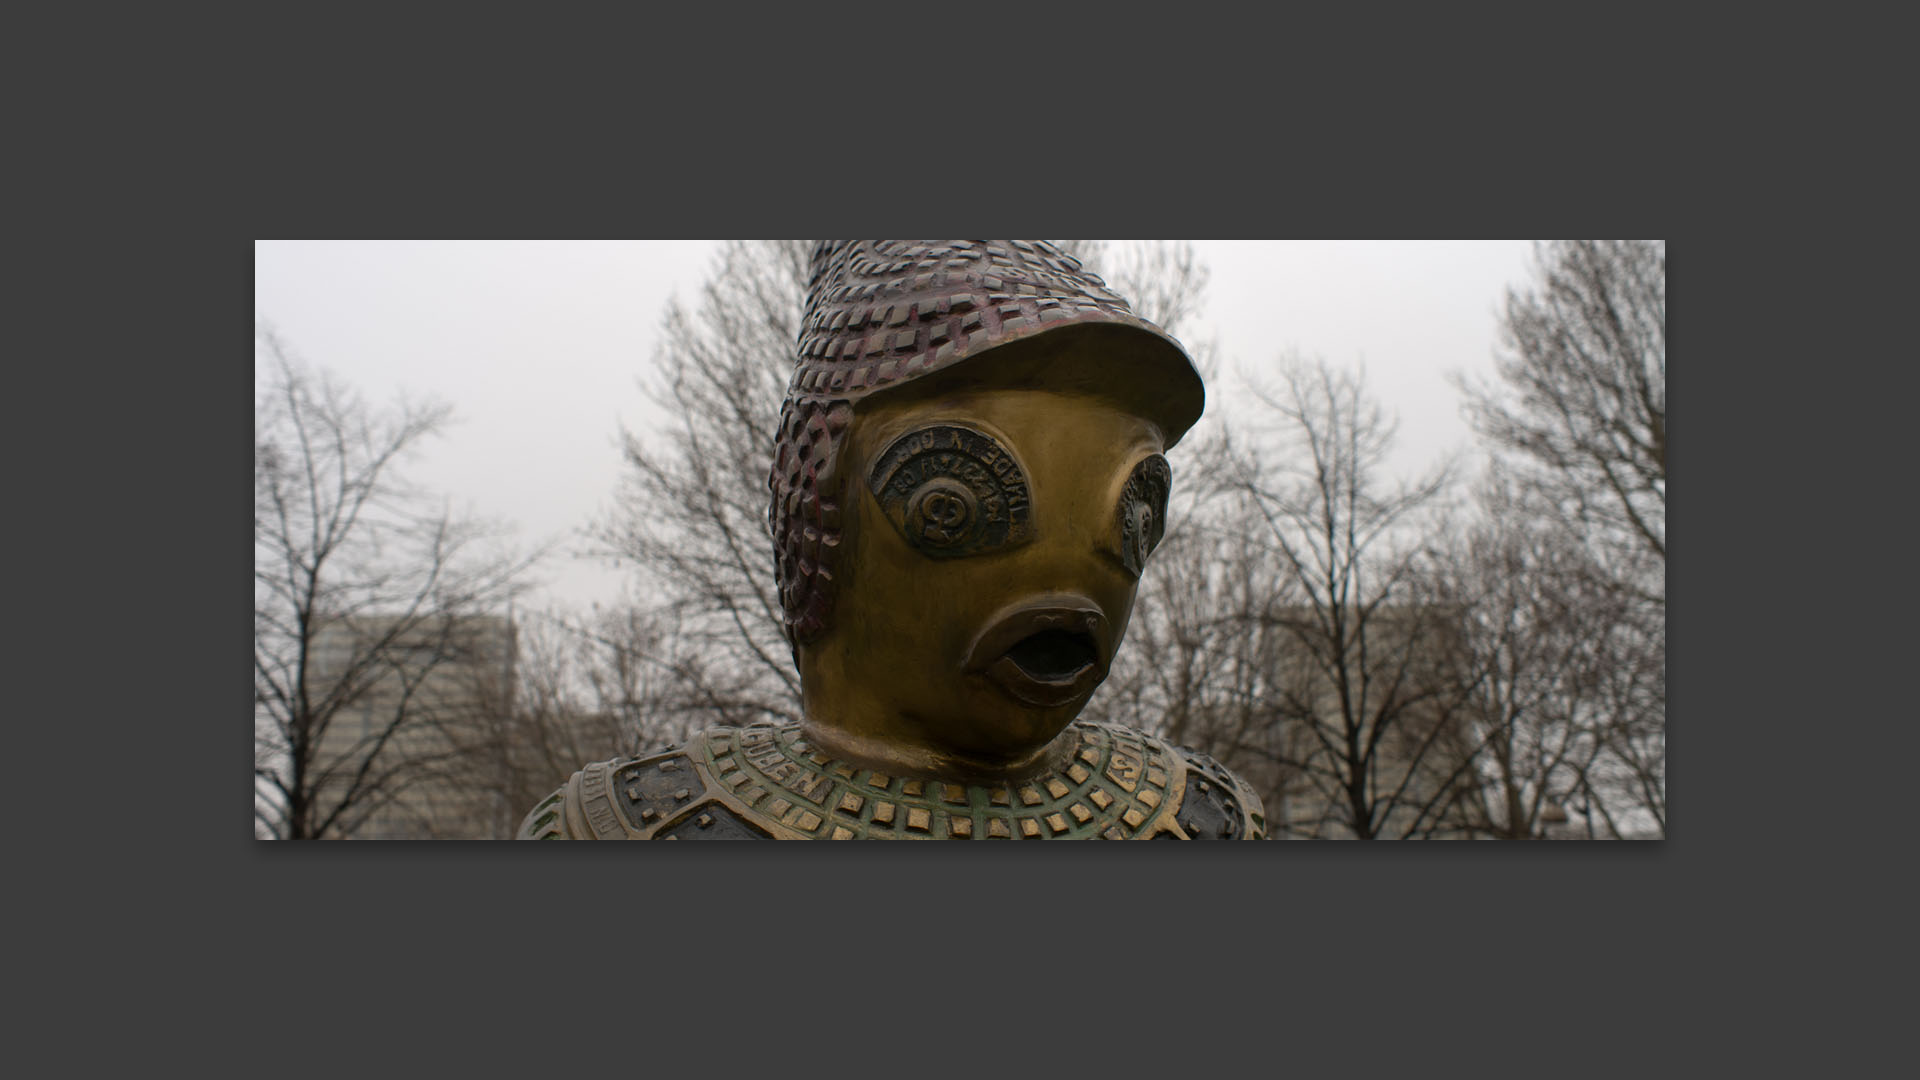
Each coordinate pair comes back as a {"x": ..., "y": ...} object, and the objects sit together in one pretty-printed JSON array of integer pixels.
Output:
[{"x": 993, "y": 549}]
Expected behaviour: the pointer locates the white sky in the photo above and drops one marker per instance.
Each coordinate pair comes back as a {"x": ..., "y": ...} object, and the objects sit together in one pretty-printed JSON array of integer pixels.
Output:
[{"x": 538, "y": 346}]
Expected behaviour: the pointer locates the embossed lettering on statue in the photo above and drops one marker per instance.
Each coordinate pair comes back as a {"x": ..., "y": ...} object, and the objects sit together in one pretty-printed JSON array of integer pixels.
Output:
[{"x": 953, "y": 491}]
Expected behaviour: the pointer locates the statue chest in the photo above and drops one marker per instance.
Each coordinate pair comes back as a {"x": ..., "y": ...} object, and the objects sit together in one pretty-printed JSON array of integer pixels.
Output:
[{"x": 768, "y": 782}]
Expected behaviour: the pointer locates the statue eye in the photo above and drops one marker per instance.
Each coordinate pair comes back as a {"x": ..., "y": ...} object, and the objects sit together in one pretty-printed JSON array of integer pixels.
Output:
[
  {"x": 1142, "y": 517},
  {"x": 953, "y": 491}
]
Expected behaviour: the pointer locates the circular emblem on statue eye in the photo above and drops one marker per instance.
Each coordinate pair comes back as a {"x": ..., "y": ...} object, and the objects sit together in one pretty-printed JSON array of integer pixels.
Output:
[
  {"x": 1141, "y": 528},
  {"x": 942, "y": 512},
  {"x": 1143, "y": 512},
  {"x": 952, "y": 491}
]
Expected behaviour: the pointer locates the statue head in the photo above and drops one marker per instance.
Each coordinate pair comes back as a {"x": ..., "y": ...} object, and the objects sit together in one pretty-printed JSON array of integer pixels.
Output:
[{"x": 968, "y": 481}]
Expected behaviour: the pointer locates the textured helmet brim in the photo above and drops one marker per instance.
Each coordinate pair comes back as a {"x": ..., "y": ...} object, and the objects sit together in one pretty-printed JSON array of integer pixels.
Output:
[{"x": 881, "y": 313}]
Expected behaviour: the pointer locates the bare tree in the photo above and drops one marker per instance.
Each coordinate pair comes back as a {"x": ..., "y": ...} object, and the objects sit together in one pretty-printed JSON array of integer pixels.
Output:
[
  {"x": 1360, "y": 717},
  {"x": 691, "y": 512},
  {"x": 690, "y": 516},
  {"x": 1581, "y": 402},
  {"x": 366, "y": 594},
  {"x": 1204, "y": 646},
  {"x": 1578, "y": 416},
  {"x": 1536, "y": 626}
]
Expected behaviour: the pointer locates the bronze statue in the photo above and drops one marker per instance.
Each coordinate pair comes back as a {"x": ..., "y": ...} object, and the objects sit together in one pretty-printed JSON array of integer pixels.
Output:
[{"x": 967, "y": 483}]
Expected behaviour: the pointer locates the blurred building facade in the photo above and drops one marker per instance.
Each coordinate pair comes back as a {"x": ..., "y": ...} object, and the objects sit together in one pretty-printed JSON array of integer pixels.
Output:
[{"x": 424, "y": 725}]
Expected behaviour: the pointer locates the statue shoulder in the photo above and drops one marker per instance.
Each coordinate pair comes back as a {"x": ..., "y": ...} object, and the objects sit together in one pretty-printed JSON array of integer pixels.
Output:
[
  {"x": 1215, "y": 804},
  {"x": 668, "y": 794},
  {"x": 583, "y": 808}
]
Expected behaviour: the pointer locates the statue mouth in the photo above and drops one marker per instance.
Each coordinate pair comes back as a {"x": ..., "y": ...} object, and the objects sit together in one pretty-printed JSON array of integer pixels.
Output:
[
  {"x": 1046, "y": 654},
  {"x": 1054, "y": 655}
]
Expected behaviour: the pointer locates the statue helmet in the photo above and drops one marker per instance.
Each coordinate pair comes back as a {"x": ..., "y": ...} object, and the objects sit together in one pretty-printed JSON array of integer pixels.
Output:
[{"x": 883, "y": 313}]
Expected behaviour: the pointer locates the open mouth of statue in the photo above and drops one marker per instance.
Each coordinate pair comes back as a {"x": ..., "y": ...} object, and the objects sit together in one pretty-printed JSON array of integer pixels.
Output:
[
  {"x": 1045, "y": 654},
  {"x": 1054, "y": 655}
]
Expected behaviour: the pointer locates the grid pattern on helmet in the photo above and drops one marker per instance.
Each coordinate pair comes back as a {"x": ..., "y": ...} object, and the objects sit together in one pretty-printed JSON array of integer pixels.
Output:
[
  {"x": 805, "y": 516},
  {"x": 881, "y": 312}
]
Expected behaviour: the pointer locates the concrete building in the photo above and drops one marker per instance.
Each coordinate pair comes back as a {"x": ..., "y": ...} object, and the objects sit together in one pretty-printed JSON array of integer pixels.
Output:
[{"x": 429, "y": 701}]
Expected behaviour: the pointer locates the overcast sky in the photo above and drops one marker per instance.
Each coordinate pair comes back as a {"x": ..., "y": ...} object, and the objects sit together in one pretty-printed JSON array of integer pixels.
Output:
[{"x": 538, "y": 344}]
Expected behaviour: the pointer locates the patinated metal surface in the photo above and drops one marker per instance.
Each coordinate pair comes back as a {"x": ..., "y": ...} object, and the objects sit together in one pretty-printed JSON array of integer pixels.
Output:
[
  {"x": 768, "y": 782},
  {"x": 969, "y": 480},
  {"x": 1143, "y": 512},
  {"x": 953, "y": 491},
  {"x": 881, "y": 313}
]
